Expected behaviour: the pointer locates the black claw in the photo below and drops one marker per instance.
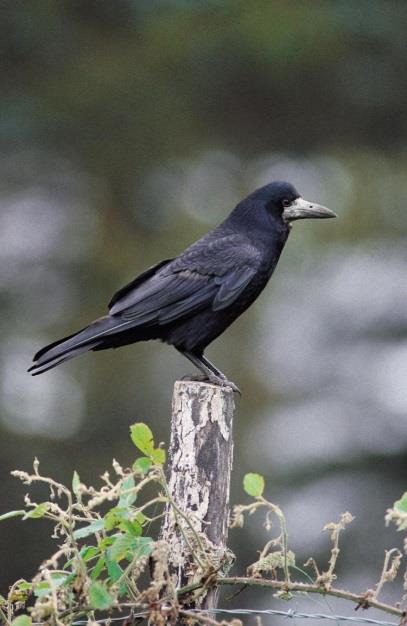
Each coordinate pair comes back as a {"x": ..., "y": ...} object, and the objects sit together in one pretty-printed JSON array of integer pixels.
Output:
[
  {"x": 213, "y": 380},
  {"x": 224, "y": 382}
]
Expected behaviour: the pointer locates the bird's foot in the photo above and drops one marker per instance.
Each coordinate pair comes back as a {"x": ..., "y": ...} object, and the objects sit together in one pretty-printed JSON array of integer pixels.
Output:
[
  {"x": 214, "y": 380},
  {"x": 224, "y": 382}
]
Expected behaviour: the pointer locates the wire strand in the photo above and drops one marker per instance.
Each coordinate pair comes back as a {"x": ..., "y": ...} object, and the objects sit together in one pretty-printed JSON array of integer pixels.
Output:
[{"x": 291, "y": 614}]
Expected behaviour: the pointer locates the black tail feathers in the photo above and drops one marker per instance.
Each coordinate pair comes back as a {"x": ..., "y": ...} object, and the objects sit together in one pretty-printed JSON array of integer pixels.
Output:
[
  {"x": 69, "y": 347},
  {"x": 38, "y": 368}
]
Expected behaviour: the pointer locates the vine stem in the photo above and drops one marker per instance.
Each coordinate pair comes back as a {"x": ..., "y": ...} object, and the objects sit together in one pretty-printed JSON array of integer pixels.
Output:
[
  {"x": 387, "y": 573},
  {"x": 284, "y": 534},
  {"x": 361, "y": 600}
]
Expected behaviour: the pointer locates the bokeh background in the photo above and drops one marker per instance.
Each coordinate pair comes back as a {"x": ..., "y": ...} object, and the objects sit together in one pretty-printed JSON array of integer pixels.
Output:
[{"x": 128, "y": 129}]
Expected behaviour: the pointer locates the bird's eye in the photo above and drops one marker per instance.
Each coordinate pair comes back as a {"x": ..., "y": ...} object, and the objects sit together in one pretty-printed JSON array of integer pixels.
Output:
[{"x": 286, "y": 202}]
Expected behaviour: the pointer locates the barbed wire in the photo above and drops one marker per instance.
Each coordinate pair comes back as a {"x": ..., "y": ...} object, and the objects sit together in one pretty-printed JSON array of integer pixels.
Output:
[
  {"x": 290, "y": 613},
  {"x": 293, "y": 614}
]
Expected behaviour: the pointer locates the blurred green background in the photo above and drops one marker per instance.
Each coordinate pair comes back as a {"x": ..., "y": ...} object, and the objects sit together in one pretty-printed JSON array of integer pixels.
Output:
[{"x": 128, "y": 129}]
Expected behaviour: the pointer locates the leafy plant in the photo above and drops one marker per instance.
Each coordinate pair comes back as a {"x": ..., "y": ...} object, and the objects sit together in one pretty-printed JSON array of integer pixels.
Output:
[
  {"x": 103, "y": 552},
  {"x": 107, "y": 562}
]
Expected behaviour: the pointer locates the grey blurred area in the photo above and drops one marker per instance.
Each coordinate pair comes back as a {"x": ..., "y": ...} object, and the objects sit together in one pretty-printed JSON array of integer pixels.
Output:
[{"x": 128, "y": 129}]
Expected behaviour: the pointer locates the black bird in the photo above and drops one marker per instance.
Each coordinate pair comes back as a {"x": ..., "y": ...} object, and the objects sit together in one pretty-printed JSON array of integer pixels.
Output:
[{"x": 189, "y": 300}]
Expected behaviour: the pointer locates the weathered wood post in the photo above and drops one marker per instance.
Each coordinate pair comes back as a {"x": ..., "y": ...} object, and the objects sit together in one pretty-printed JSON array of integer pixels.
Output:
[{"x": 199, "y": 469}]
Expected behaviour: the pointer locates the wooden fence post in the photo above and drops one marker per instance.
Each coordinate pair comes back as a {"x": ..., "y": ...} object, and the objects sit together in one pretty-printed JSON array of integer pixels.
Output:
[{"x": 199, "y": 469}]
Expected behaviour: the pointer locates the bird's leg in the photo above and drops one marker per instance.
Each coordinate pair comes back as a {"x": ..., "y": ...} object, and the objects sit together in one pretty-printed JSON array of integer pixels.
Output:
[
  {"x": 195, "y": 360},
  {"x": 209, "y": 370},
  {"x": 217, "y": 376}
]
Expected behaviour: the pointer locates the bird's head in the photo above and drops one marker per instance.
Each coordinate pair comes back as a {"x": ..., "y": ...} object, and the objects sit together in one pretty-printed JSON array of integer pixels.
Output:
[{"x": 283, "y": 200}]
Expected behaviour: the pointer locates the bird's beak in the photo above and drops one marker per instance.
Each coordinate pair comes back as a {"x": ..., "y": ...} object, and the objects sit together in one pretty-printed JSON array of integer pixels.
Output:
[{"x": 301, "y": 209}]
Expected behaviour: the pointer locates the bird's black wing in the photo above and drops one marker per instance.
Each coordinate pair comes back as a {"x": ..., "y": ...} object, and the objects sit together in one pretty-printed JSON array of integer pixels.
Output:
[
  {"x": 137, "y": 281},
  {"x": 211, "y": 273}
]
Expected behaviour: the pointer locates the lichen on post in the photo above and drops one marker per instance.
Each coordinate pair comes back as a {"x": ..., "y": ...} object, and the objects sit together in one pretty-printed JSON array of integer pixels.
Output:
[{"x": 200, "y": 463}]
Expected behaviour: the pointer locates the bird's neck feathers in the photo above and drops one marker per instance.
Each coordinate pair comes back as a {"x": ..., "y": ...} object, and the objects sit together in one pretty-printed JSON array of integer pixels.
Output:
[{"x": 252, "y": 217}]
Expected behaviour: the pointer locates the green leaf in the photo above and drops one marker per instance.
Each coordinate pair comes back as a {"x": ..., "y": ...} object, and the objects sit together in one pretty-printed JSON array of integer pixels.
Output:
[
  {"x": 140, "y": 518},
  {"x": 158, "y": 456},
  {"x": 38, "y": 512},
  {"x": 142, "y": 465},
  {"x": 59, "y": 578},
  {"x": 253, "y": 484},
  {"x": 93, "y": 528},
  {"x": 69, "y": 579},
  {"x": 114, "y": 570},
  {"x": 112, "y": 519},
  {"x": 116, "y": 516},
  {"x": 76, "y": 481},
  {"x": 129, "y": 547},
  {"x": 99, "y": 567},
  {"x": 89, "y": 552},
  {"x": 105, "y": 543},
  {"x": 22, "y": 620},
  {"x": 12, "y": 514},
  {"x": 115, "y": 573},
  {"x": 133, "y": 528},
  {"x": 42, "y": 589},
  {"x": 99, "y": 596},
  {"x": 142, "y": 437},
  {"x": 121, "y": 546},
  {"x": 127, "y": 499},
  {"x": 24, "y": 586},
  {"x": 143, "y": 547},
  {"x": 401, "y": 505}
]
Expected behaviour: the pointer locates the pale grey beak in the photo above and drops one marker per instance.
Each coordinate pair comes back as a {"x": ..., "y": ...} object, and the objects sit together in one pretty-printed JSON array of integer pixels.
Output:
[{"x": 301, "y": 209}]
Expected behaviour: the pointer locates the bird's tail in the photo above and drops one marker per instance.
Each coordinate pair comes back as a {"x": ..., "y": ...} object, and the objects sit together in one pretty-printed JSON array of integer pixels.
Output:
[{"x": 86, "y": 339}]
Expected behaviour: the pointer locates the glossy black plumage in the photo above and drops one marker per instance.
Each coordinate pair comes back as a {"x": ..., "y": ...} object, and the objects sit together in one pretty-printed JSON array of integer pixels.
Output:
[{"x": 189, "y": 300}]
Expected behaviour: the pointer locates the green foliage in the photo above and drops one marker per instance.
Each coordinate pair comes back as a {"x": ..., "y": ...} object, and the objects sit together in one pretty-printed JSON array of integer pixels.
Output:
[
  {"x": 253, "y": 485},
  {"x": 76, "y": 483},
  {"x": 102, "y": 563},
  {"x": 401, "y": 505},
  {"x": 143, "y": 439},
  {"x": 398, "y": 514},
  {"x": 86, "y": 531},
  {"x": 142, "y": 465},
  {"x": 22, "y": 620},
  {"x": 39, "y": 511},
  {"x": 99, "y": 596},
  {"x": 102, "y": 546}
]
